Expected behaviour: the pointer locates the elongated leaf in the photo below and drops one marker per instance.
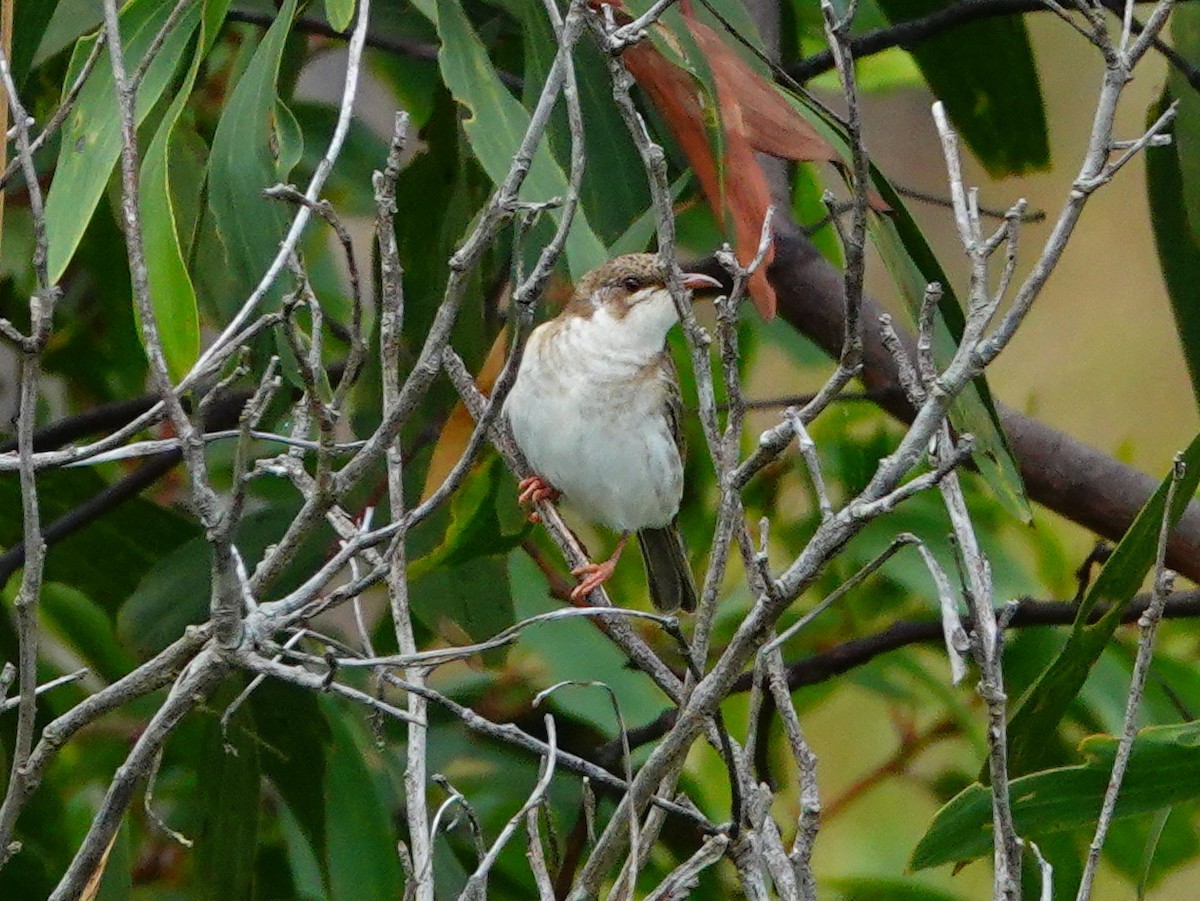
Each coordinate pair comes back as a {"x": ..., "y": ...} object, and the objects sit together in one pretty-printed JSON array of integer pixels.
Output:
[
  {"x": 1070, "y": 797},
  {"x": 340, "y": 13},
  {"x": 362, "y": 858},
  {"x": 91, "y": 138},
  {"x": 1043, "y": 706},
  {"x": 913, "y": 265},
  {"x": 170, "y": 285},
  {"x": 1175, "y": 240},
  {"x": 294, "y": 736},
  {"x": 611, "y": 203},
  {"x": 30, "y": 19},
  {"x": 495, "y": 124},
  {"x": 106, "y": 559},
  {"x": 230, "y": 780},
  {"x": 1185, "y": 37},
  {"x": 985, "y": 75},
  {"x": 242, "y": 164},
  {"x": 85, "y": 629},
  {"x": 174, "y": 593}
]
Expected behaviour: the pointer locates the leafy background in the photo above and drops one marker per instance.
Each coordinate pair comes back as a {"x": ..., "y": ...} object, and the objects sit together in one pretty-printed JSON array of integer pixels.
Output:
[{"x": 1099, "y": 357}]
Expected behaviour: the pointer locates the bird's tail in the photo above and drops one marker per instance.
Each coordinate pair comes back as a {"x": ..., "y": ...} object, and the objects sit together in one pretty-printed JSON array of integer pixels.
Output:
[{"x": 667, "y": 570}]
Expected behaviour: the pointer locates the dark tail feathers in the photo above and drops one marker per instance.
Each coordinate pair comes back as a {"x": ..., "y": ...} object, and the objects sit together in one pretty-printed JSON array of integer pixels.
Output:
[{"x": 667, "y": 570}]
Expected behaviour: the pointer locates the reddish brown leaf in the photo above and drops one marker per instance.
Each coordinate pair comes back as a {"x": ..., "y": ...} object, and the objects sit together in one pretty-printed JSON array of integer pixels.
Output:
[{"x": 754, "y": 117}]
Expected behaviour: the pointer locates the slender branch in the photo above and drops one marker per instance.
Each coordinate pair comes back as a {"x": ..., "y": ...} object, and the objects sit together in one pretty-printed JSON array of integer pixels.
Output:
[{"x": 1148, "y": 627}]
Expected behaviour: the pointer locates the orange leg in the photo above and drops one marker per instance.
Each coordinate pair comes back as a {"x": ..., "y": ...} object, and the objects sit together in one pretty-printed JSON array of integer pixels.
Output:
[
  {"x": 596, "y": 574},
  {"x": 534, "y": 490}
]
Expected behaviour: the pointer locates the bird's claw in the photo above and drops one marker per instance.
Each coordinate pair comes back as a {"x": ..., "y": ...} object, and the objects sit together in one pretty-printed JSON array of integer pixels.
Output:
[
  {"x": 595, "y": 575},
  {"x": 534, "y": 490}
]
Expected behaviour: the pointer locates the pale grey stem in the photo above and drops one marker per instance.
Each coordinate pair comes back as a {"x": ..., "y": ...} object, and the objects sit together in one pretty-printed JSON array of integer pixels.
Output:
[
  {"x": 148, "y": 806},
  {"x": 440, "y": 656},
  {"x": 288, "y": 246},
  {"x": 7, "y": 674},
  {"x": 198, "y": 678},
  {"x": 730, "y": 513},
  {"x": 987, "y": 647},
  {"x": 10, "y": 672},
  {"x": 837, "y": 35},
  {"x": 635, "y": 31},
  {"x": 958, "y": 645},
  {"x": 391, "y": 318},
  {"x": 537, "y": 858},
  {"x": 1164, "y": 581},
  {"x": 476, "y": 889},
  {"x": 812, "y": 459},
  {"x": 680, "y": 882},
  {"x": 41, "y": 312},
  {"x": 808, "y": 822},
  {"x": 768, "y": 845}
]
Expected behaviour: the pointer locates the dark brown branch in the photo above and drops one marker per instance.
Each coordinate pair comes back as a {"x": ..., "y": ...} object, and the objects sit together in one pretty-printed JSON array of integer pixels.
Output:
[
  {"x": 825, "y": 665},
  {"x": 915, "y": 31},
  {"x": 1072, "y": 479},
  {"x": 390, "y": 43}
]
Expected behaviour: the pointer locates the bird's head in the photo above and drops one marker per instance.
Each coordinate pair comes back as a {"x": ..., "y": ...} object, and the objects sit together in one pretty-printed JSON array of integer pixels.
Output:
[{"x": 628, "y": 298}]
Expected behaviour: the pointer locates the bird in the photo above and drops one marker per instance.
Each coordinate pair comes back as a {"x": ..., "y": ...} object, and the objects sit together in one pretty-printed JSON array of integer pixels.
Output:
[{"x": 595, "y": 409}]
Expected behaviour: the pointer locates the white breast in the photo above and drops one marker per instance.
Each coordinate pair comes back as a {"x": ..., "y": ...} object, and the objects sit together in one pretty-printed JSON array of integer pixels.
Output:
[{"x": 593, "y": 425}]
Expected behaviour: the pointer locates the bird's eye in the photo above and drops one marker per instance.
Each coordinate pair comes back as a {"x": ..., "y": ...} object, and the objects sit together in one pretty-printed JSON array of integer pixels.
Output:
[{"x": 631, "y": 283}]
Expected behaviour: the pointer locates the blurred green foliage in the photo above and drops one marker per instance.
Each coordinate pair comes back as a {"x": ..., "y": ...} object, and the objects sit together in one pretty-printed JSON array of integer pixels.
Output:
[{"x": 301, "y": 797}]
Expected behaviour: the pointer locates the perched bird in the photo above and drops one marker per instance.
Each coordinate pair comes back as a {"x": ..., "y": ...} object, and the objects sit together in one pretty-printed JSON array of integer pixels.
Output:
[{"x": 595, "y": 408}]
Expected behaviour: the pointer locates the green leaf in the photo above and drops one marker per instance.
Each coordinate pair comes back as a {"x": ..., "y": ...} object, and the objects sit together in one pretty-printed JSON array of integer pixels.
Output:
[
  {"x": 175, "y": 592},
  {"x": 91, "y": 136},
  {"x": 229, "y": 777},
  {"x": 985, "y": 74},
  {"x": 70, "y": 19},
  {"x": 117, "y": 882},
  {"x": 1185, "y": 38},
  {"x": 1043, "y": 706},
  {"x": 612, "y": 204},
  {"x": 1174, "y": 237},
  {"x": 339, "y": 13},
  {"x": 884, "y": 888},
  {"x": 107, "y": 558},
  {"x": 290, "y": 139},
  {"x": 364, "y": 151},
  {"x": 171, "y": 289},
  {"x": 913, "y": 265},
  {"x": 1070, "y": 797},
  {"x": 30, "y": 18},
  {"x": 294, "y": 735},
  {"x": 464, "y": 580},
  {"x": 242, "y": 164},
  {"x": 85, "y": 630},
  {"x": 362, "y": 859},
  {"x": 495, "y": 125}
]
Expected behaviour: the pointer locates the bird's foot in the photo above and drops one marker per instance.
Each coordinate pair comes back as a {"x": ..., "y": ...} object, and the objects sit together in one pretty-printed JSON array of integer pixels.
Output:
[
  {"x": 534, "y": 490},
  {"x": 596, "y": 574}
]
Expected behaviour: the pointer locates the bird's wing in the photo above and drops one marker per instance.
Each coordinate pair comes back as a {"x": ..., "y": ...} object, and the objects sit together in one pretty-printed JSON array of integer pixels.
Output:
[{"x": 672, "y": 401}]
